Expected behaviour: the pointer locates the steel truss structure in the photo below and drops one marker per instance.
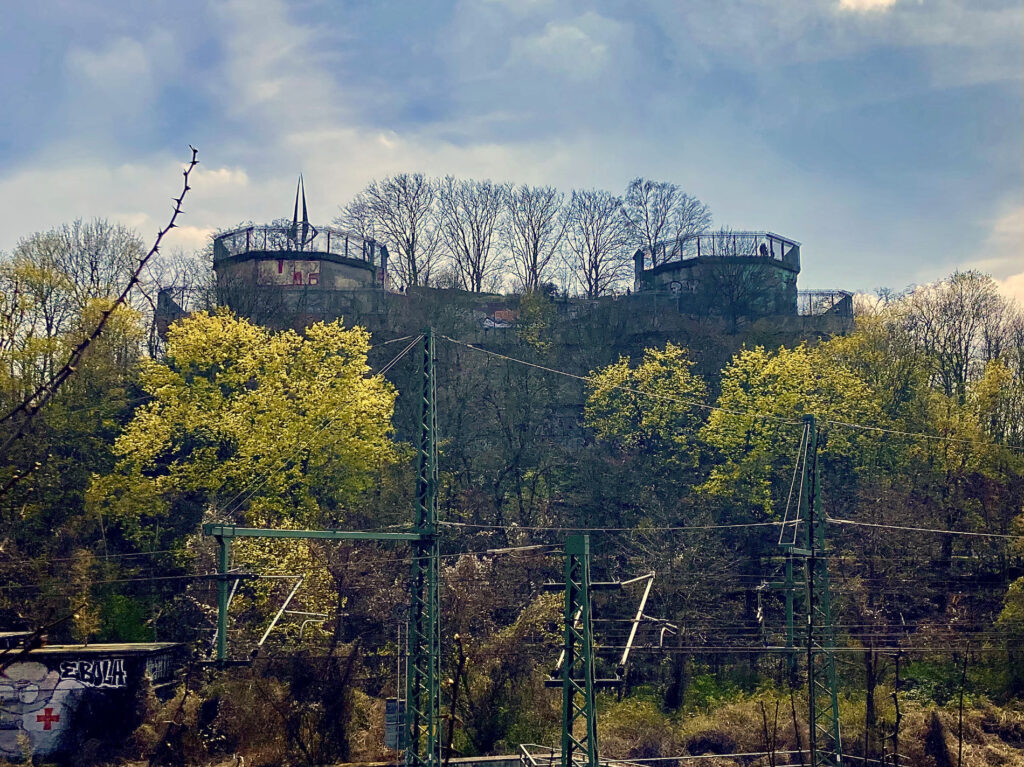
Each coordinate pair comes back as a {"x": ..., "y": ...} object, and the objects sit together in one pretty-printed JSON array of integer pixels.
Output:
[
  {"x": 822, "y": 689},
  {"x": 423, "y": 647},
  {"x": 578, "y": 658}
]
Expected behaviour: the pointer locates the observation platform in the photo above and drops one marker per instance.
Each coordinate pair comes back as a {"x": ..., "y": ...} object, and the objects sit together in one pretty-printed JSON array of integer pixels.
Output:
[
  {"x": 766, "y": 246},
  {"x": 820, "y": 303},
  {"x": 298, "y": 255},
  {"x": 322, "y": 243}
]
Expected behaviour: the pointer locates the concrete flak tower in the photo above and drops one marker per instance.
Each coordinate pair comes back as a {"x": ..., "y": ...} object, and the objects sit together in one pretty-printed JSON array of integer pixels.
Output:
[{"x": 293, "y": 265}]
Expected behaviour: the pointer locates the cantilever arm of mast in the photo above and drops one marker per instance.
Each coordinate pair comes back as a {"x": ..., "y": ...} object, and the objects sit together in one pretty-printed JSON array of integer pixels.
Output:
[{"x": 233, "y": 531}]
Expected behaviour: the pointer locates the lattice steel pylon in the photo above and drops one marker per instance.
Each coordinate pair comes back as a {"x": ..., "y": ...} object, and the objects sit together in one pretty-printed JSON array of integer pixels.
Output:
[
  {"x": 423, "y": 698},
  {"x": 578, "y": 664},
  {"x": 822, "y": 689}
]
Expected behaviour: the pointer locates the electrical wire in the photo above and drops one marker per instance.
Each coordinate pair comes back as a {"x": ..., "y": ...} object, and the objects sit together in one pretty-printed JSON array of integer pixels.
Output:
[
  {"x": 652, "y": 395},
  {"x": 655, "y": 529},
  {"x": 255, "y": 486},
  {"x": 532, "y": 550},
  {"x": 119, "y": 556},
  {"x": 919, "y": 435},
  {"x": 743, "y": 414},
  {"x": 938, "y": 531}
]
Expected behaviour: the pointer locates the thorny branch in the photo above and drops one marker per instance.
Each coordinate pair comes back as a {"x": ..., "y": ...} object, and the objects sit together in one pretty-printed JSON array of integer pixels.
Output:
[{"x": 32, "y": 404}]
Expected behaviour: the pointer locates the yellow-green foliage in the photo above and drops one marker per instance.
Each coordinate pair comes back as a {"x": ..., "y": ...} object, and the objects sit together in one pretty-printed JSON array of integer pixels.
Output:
[
  {"x": 536, "y": 316},
  {"x": 763, "y": 394},
  {"x": 653, "y": 406},
  {"x": 256, "y": 427},
  {"x": 235, "y": 403},
  {"x": 636, "y": 728}
]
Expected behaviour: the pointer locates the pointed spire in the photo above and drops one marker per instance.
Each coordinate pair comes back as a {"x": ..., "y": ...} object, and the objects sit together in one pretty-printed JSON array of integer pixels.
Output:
[
  {"x": 305, "y": 215},
  {"x": 308, "y": 231}
]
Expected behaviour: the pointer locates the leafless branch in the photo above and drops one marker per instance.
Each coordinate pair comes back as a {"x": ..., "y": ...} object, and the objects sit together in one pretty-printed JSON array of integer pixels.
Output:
[
  {"x": 534, "y": 230},
  {"x": 38, "y": 399},
  {"x": 663, "y": 219},
  {"x": 469, "y": 217},
  {"x": 597, "y": 239}
]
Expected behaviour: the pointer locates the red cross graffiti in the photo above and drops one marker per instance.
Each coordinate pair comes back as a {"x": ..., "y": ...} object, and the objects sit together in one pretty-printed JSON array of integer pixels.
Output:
[{"x": 47, "y": 718}]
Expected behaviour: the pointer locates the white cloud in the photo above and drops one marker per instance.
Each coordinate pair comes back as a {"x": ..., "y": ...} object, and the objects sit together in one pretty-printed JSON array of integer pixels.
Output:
[
  {"x": 1008, "y": 233},
  {"x": 118, "y": 67},
  {"x": 1013, "y": 287},
  {"x": 274, "y": 76},
  {"x": 521, "y": 7},
  {"x": 1007, "y": 241},
  {"x": 1002, "y": 252},
  {"x": 866, "y": 5},
  {"x": 110, "y": 88},
  {"x": 577, "y": 49},
  {"x": 219, "y": 178},
  {"x": 136, "y": 194}
]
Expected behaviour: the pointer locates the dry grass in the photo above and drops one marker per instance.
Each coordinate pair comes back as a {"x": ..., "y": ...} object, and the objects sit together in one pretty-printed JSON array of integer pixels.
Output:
[{"x": 993, "y": 736}]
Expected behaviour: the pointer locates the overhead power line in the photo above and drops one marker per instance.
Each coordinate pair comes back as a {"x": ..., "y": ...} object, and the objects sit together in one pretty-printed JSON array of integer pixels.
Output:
[
  {"x": 920, "y": 435},
  {"x": 631, "y": 390},
  {"x": 935, "y": 530},
  {"x": 677, "y": 528},
  {"x": 740, "y": 413}
]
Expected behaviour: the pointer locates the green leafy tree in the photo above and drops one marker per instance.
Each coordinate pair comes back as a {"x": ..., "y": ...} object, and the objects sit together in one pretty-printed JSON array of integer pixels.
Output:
[
  {"x": 755, "y": 430},
  {"x": 654, "y": 408},
  {"x": 251, "y": 426},
  {"x": 49, "y": 534}
]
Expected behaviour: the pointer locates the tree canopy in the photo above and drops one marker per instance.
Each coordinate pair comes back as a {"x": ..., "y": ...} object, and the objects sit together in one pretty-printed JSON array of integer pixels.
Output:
[{"x": 255, "y": 426}]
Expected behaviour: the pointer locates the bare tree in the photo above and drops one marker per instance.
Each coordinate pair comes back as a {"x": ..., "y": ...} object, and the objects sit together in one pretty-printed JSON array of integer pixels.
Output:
[
  {"x": 738, "y": 284},
  {"x": 741, "y": 287},
  {"x": 401, "y": 210},
  {"x": 960, "y": 324},
  {"x": 97, "y": 257},
  {"x": 53, "y": 276},
  {"x": 662, "y": 219},
  {"x": 533, "y": 230},
  {"x": 173, "y": 285},
  {"x": 470, "y": 213},
  {"x": 81, "y": 261},
  {"x": 357, "y": 217},
  {"x": 22, "y": 416},
  {"x": 597, "y": 240}
]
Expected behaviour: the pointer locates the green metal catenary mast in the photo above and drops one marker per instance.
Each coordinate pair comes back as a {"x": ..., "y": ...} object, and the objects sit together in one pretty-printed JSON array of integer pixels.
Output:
[
  {"x": 578, "y": 658},
  {"x": 422, "y": 711},
  {"x": 423, "y": 701},
  {"x": 822, "y": 691},
  {"x": 826, "y": 747}
]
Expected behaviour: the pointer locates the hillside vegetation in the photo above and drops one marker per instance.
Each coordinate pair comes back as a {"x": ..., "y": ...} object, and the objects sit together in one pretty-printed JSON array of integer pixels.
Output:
[{"x": 676, "y": 457}]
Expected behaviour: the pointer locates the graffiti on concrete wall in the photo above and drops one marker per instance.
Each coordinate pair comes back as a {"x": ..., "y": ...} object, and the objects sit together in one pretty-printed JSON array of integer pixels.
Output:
[
  {"x": 37, "y": 703},
  {"x": 108, "y": 672},
  {"x": 288, "y": 272}
]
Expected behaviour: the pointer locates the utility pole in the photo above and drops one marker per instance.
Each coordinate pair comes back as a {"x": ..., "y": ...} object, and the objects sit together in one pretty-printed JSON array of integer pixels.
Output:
[
  {"x": 823, "y": 697},
  {"x": 822, "y": 691},
  {"x": 578, "y": 657},
  {"x": 574, "y": 671},
  {"x": 225, "y": 533},
  {"x": 423, "y": 638},
  {"x": 423, "y": 699}
]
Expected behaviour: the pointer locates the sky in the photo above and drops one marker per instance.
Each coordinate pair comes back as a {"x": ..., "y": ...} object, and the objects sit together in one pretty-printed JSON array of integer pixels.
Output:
[{"x": 887, "y": 136}]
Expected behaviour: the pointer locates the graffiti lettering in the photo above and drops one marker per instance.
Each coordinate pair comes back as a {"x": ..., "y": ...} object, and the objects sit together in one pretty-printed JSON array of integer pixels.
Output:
[
  {"x": 95, "y": 673},
  {"x": 160, "y": 668}
]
